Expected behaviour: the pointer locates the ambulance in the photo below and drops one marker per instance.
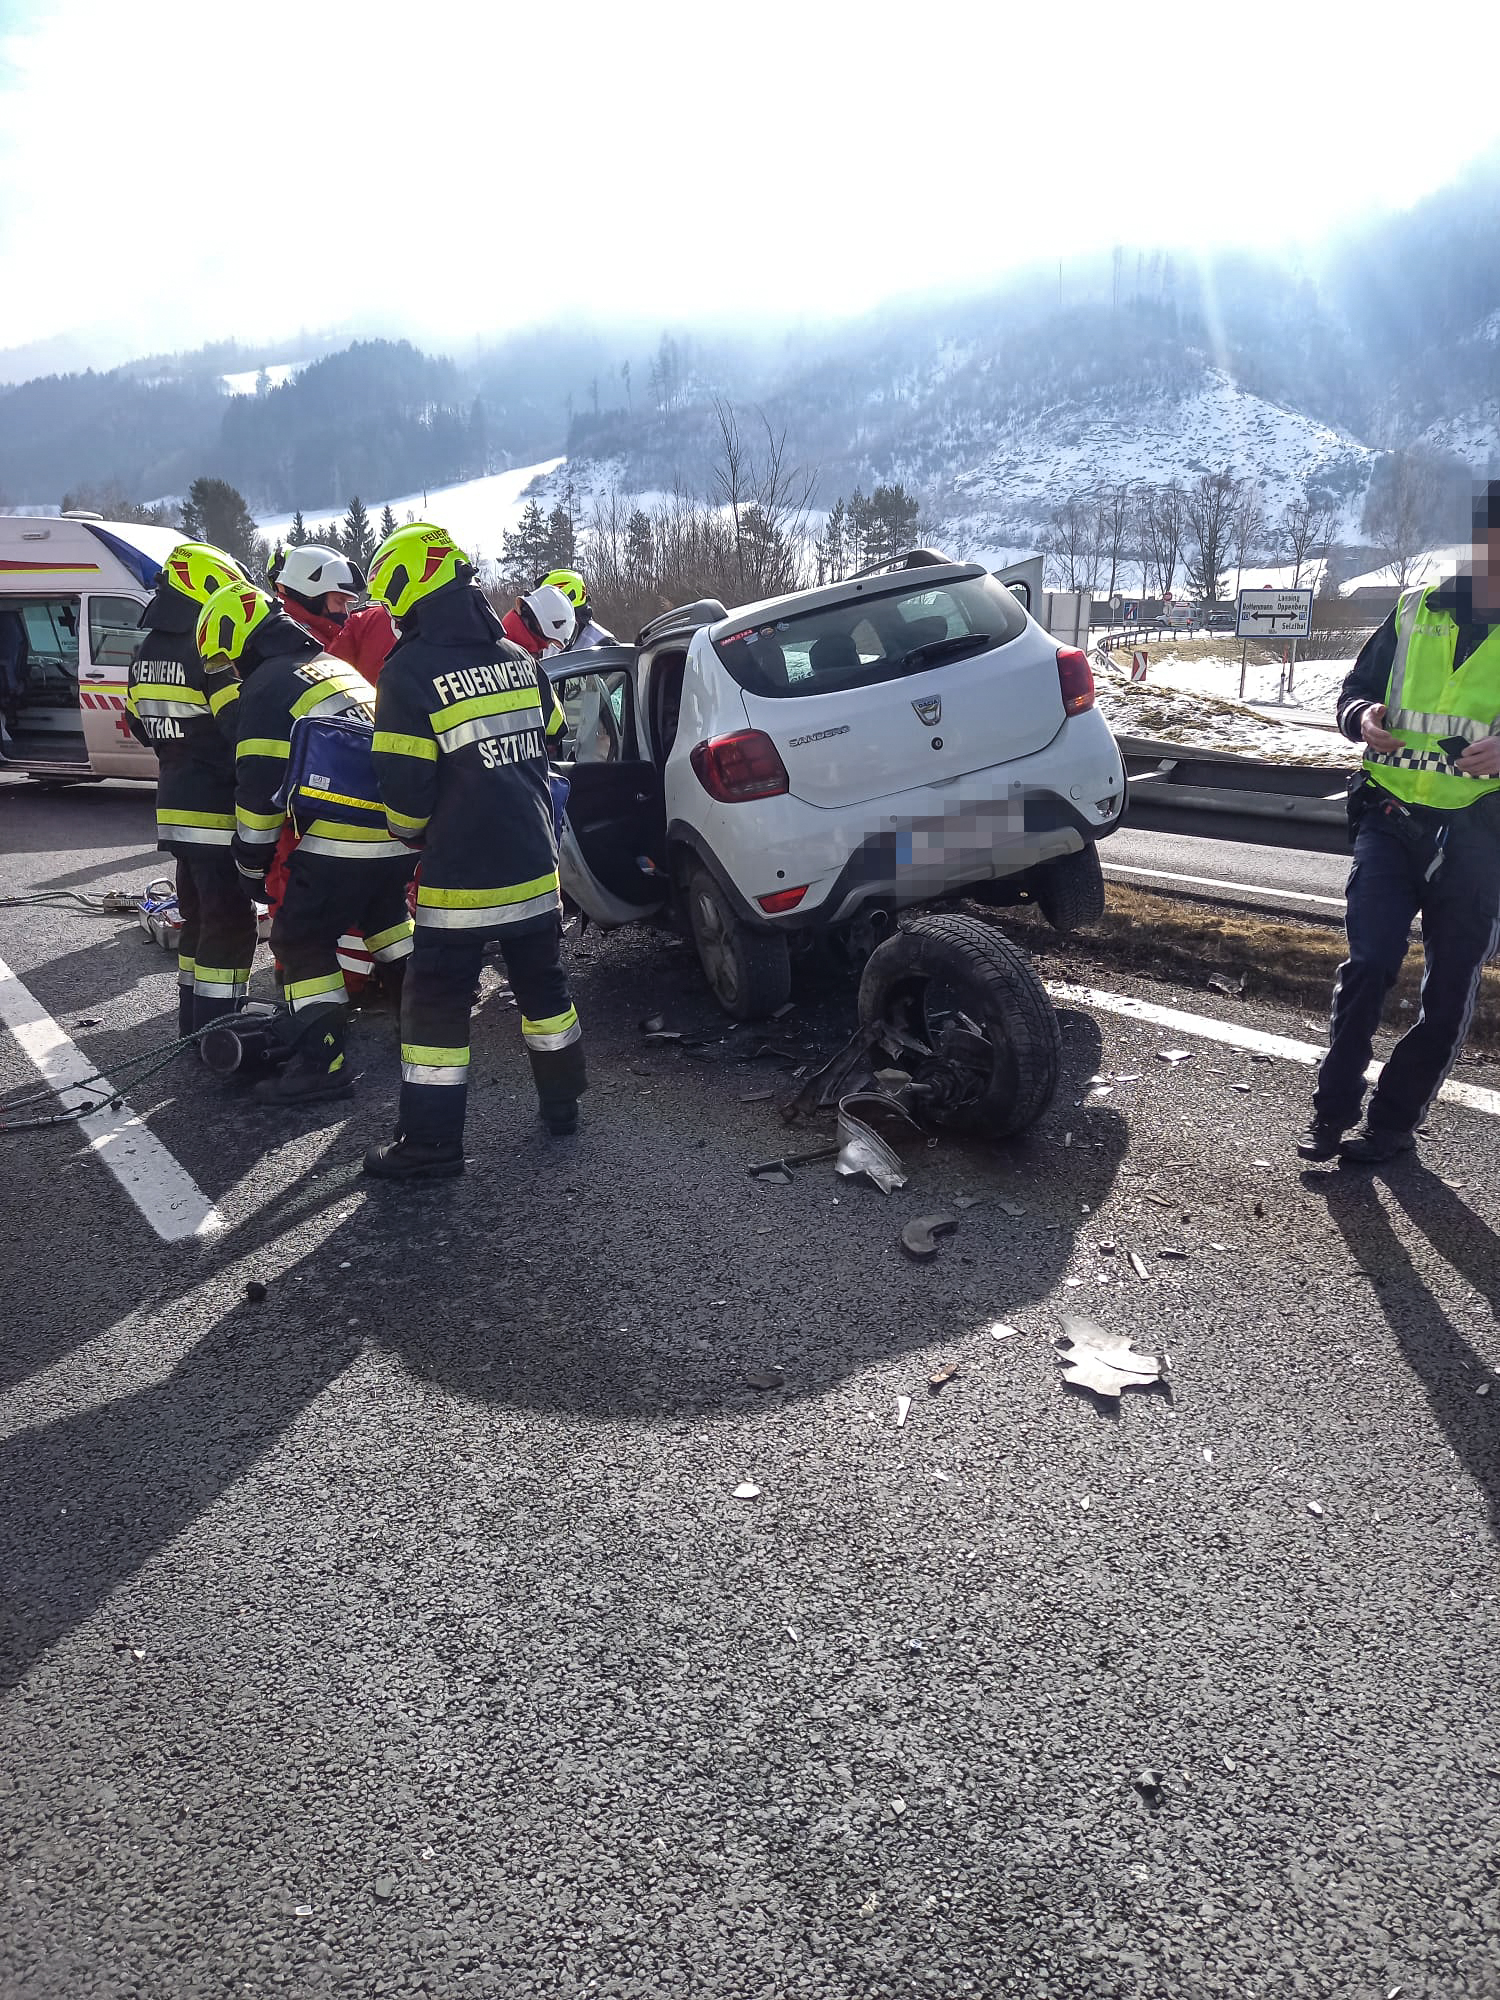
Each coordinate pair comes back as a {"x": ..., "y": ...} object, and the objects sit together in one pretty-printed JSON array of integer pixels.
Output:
[{"x": 72, "y": 589}]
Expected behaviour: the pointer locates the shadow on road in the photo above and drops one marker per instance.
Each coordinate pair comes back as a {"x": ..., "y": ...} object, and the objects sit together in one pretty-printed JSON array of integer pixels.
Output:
[{"x": 1435, "y": 1349}]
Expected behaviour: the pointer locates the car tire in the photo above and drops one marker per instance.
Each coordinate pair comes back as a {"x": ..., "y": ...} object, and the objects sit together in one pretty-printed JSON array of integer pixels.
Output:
[
  {"x": 994, "y": 983},
  {"x": 750, "y": 971},
  {"x": 1070, "y": 890}
]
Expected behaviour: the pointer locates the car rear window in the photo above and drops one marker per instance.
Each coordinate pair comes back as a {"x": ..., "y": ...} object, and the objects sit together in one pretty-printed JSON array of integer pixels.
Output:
[{"x": 868, "y": 639}]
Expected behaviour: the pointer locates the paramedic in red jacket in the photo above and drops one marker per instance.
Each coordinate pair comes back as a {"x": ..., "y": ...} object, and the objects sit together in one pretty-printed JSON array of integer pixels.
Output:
[{"x": 541, "y": 623}]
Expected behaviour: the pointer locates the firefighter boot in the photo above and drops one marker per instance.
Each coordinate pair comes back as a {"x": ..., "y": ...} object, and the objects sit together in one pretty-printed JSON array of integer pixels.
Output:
[
  {"x": 403, "y": 1159},
  {"x": 317, "y": 1072},
  {"x": 184, "y": 1011}
]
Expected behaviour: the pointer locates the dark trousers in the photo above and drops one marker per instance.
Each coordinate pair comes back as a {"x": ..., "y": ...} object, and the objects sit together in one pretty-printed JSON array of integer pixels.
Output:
[
  {"x": 435, "y": 1006},
  {"x": 1460, "y": 910},
  {"x": 324, "y": 897},
  {"x": 216, "y": 945}
]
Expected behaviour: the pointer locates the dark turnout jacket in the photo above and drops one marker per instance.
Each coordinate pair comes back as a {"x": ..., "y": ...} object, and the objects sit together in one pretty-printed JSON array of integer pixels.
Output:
[
  {"x": 167, "y": 707},
  {"x": 463, "y": 719}
]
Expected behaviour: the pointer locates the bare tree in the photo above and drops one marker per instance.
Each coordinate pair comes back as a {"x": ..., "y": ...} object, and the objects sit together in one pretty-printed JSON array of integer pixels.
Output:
[
  {"x": 1070, "y": 542},
  {"x": 1247, "y": 529},
  {"x": 1402, "y": 508},
  {"x": 768, "y": 502},
  {"x": 1210, "y": 504},
  {"x": 1116, "y": 511},
  {"x": 1304, "y": 524},
  {"x": 1160, "y": 525}
]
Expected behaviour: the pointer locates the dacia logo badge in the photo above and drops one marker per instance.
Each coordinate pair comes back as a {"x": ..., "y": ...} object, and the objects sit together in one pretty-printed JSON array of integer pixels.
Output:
[{"x": 929, "y": 711}]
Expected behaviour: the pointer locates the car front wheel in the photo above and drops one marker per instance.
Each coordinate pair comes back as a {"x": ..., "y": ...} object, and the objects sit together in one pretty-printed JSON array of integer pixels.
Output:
[{"x": 749, "y": 970}]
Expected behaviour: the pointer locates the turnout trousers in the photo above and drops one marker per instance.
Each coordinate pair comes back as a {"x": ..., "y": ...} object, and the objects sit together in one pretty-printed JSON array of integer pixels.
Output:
[
  {"x": 435, "y": 1011},
  {"x": 1460, "y": 910},
  {"x": 216, "y": 945},
  {"x": 324, "y": 898}
]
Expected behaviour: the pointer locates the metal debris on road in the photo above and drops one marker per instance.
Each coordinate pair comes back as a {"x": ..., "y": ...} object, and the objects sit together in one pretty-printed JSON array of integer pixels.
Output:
[
  {"x": 1314, "y": 1509},
  {"x": 861, "y": 1149},
  {"x": 1148, "y": 1784},
  {"x": 898, "y": 1807},
  {"x": 1175, "y": 1055},
  {"x": 758, "y": 1097},
  {"x": 903, "y": 1410},
  {"x": 1220, "y": 982},
  {"x": 967, "y": 1200},
  {"x": 779, "y": 1169},
  {"x": 1107, "y": 1249},
  {"x": 765, "y": 1378},
  {"x": 1104, "y": 1362},
  {"x": 1012, "y": 1207},
  {"x": 942, "y": 1375},
  {"x": 1179, "y": 1255},
  {"x": 919, "y": 1238},
  {"x": 999, "y": 1330},
  {"x": 1137, "y": 1263},
  {"x": 747, "y": 1490}
]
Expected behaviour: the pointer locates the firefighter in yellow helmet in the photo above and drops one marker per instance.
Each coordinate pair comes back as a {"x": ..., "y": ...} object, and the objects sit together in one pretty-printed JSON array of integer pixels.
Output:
[
  {"x": 167, "y": 704},
  {"x": 587, "y": 631},
  {"x": 463, "y": 722}
]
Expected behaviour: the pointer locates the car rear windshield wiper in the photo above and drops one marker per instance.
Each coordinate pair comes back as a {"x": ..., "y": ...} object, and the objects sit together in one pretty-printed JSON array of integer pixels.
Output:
[{"x": 945, "y": 649}]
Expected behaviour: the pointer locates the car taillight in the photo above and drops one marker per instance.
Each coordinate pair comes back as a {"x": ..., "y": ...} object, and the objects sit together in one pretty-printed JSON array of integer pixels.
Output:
[
  {"x": 746, "y": 765},
  {"x": 781, "y": 900},
  {"x": 1076, "y": 679}
]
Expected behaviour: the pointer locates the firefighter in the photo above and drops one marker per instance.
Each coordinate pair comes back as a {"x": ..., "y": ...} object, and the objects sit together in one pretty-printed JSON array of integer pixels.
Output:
[
  {"x": 587, "y": 632},
  {"x": 540, "y": 623},
  {"x": 463, "y": 720},
  {"x": 317, "y": 587},
  {"x": 1424, "y": 699},
  {"x": 346, "y": 870},
  {"x": 167, "y": 706}
]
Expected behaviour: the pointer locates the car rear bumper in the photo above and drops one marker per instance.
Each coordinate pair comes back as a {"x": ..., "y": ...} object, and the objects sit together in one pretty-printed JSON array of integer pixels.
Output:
[{"x": 921, "y": 846}]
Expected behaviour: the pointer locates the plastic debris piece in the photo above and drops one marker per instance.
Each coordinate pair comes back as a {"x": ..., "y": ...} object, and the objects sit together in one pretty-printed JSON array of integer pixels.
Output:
[
  {"x": 1220, "y": 982},
  {"x": 1104, "y": 1362},
  {"x": 1228, "y": 1763},
  {"x": 1175, "y": 1055},
  {"x": 1180, "y": 1256},
  {"x": 903, "y": 1410},
  {"x": 774, "y": 1177},
  {"x": 653, "y": 1024},
  {"x": 918, "y": 1239},
  {"x": 941, "y": 1375},
  {"x": 1137, "y": 1263},
  {"x": 1148, "y": 1784},
  {"x": 747, "y": 1490},
  {"x": 870, "y": 1905},
  {"x": 758, "y": 1097},
  {"x": 1067, "y": 1138},
  {"x": 1128, "y": 1076},
  {"x": 967, "y": 1200},
  {"x": 1315, "y": 1510},
  {"x": 385, "y": 1887},
  {"x": 1072, "y": 1281},
  {"x": 255, "y": 1291},
  {"x": 1012, "y": 1207},
  {"x": 1100, "y": 1090},
  {"x": 793, "y": 1634},
  {"x": 898, "y": 1807},
  {"x": 1260, "y": 1163},
  {"x": 1208, "y": 1454},
  {"x": 1483, "y": 1389},
  {"x": 659, "y": 1035},
  {"x": 1243, "y": 1087},
  {"x": 1084, "y": 1503},
  {"x": 999, "y": 1330},
  {"x": 942, "y": 1478},
  {"x": 861, "y": 1150},
  {"x": 302, "y": 1909},
  {"x": 765, "y": 1378}
]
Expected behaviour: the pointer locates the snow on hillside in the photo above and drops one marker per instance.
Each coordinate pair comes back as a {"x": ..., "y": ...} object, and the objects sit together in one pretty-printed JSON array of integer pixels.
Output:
[
  {"x": 1427, "y": 569},
  {"x": 248, "y": 383},
  {"x": 1474, "y": 437},
  {"x": 477, "y": 512},
  {"x": 1071, "y": 450}
]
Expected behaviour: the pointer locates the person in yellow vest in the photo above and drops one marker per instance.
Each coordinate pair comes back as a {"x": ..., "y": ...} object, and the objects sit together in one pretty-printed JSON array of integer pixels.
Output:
[{"x": 1424, "y": 699}]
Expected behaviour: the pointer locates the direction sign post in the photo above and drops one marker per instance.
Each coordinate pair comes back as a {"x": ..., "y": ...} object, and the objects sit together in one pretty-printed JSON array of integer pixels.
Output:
[{"x": 1273, "y": 614}]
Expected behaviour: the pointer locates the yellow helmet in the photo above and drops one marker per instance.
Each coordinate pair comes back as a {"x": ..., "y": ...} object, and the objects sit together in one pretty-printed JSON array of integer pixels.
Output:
[
  {"x": 411, "y": 564},
  {"x": 228, "y": 619},
  {"x": 198, "y": 569},
  {"x": 570, "y": 583}
]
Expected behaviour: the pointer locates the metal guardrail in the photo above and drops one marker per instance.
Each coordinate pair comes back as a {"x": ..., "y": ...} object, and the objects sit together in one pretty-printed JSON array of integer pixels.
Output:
[{"x": 1178, "y": 789}]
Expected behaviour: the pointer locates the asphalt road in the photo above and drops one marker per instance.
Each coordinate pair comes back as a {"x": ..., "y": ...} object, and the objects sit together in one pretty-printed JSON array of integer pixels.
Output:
[
  {"x": 401, "y": 1634},
  {"x": 1164, "y": 861}
]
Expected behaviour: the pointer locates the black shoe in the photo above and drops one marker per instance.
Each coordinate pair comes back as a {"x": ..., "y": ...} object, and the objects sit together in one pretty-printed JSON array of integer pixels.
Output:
[
  {"x": 410, "y": 1160},
  {"x": 1376, "y": 1143},
  {"x": 1321, "y": 1140},
  {"x": 184, "y": 1012},
  {"x": 561, "y": 1119},
  {"x": 304, "y": 1083}
]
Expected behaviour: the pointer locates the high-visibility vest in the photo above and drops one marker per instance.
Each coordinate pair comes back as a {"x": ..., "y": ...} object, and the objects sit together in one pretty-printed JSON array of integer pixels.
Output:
[{"x": 1429, "y": 699}]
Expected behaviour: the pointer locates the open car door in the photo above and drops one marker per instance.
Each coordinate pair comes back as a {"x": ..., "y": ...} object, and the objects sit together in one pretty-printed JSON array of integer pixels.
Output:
[{"x": 612, "y": 855}]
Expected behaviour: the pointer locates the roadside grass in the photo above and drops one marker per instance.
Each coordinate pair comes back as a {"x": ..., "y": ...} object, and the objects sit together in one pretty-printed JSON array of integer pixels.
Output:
[{"x": 1288, "y": 959}]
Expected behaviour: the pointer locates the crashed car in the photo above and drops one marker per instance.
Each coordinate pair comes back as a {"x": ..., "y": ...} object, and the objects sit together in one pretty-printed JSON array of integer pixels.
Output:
[{"x": 795, "y": 773}]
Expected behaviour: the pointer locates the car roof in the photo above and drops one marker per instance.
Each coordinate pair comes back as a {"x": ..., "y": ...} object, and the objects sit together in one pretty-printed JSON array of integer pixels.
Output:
[{"x": 884, "y": 583}]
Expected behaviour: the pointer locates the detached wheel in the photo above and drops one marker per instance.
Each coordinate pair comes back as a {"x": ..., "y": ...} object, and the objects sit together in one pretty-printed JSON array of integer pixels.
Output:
[
  {"x": 750, "y": 971},
  {"x": 976, "y": 1028},
  {"x": 1070, "y": 889}
]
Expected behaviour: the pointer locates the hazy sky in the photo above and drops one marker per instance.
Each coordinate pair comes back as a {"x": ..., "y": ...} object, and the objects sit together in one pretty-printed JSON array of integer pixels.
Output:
[{"x": 171, "y": 173}]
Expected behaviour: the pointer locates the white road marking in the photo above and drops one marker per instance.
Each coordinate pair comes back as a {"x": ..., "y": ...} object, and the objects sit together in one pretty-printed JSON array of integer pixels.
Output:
[
  {"x": 1256, "y": 1040},
  {"x": 1213, "y": 882},
  {"x": 171, "y": 1201}
]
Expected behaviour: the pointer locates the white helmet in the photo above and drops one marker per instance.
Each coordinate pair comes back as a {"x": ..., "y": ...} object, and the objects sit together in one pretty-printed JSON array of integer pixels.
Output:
[
  {"x": 551, "y": 612},
  {"x": 312, "y": 571}
]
